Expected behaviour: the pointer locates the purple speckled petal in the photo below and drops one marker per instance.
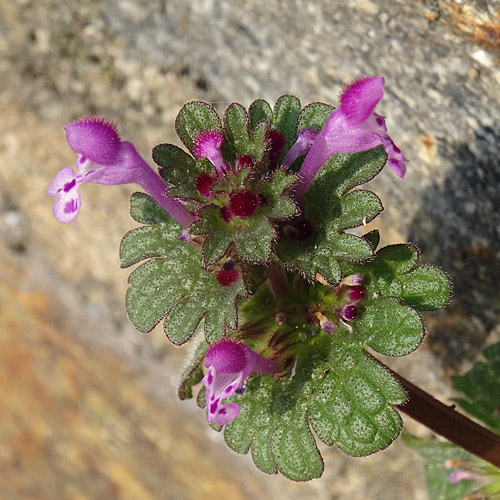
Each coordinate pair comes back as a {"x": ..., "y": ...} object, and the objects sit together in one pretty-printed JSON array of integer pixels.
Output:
[
  {"x": 395, "y": 157},
  {"x": 64, "y": 177},
  {"x": 95, "y": 138},
  {"x": 224, "y": 413},
  {"x": 228, "y": 364},
  {"x": 67, "y": 205}
]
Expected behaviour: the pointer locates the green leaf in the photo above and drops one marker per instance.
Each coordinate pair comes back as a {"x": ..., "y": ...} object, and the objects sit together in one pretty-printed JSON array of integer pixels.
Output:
[
  {"x": 436, "y": 475},
  {"x": 314, "y": 116},
  {"x": 345, "y": 395},
  {"x": 481, "y": 388},
  {"x": 181, "y": 170},
  {"x": 394, "y": 273},
  {"x": 259, "y": 111},
  {"x": 194, "y": 118},
  {"x": 251, "y": 237},
  {"x": 193, "y": 373},
  {"x": 152, "y": 296},
  {"x": 331, "y": 208},
  {"x": 285, "y": 116},
  {"x": 343, "y": 171},
  {"x": 242, "y": 140},
  {"x": 389, "y": 327}
]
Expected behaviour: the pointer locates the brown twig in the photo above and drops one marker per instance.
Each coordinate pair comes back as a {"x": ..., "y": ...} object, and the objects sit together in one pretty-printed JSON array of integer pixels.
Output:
[{"x": 447, "y": 422}]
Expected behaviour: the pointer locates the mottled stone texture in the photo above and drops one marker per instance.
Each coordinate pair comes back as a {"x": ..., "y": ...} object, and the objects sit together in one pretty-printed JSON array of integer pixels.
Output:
[{"x": 87, "y": 408}]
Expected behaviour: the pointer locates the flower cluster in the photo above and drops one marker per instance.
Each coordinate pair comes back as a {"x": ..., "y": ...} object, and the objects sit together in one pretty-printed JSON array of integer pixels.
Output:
[
  {"x": 349, "y": 293},
  {"x": 235, "y": 194}
]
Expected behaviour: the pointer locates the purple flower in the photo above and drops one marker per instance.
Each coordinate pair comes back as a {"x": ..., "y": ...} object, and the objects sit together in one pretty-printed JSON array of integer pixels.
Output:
[
  {"x": 228, "y": 364},
  {"x": 207, "y": 145},
  {"x": 349, "y": 312},
  {"x": 102, "y": 158},
  {"x": 304, "y": 143},
  {"x": 461, "y": 475},
  {"x": 351, "y": 128}
]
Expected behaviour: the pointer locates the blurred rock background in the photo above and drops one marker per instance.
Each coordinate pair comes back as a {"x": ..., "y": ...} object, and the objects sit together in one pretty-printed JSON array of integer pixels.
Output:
[{"x": 88, "y": 407}]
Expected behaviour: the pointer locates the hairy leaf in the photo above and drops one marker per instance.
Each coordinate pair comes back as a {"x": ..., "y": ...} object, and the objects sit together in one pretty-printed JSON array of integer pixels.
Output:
[
  {"x": 481, "y": 388},
  {"x": 194, "y": 118},
  {"x": 345, "y": 396},
  {"x": 152, "y": 296}
]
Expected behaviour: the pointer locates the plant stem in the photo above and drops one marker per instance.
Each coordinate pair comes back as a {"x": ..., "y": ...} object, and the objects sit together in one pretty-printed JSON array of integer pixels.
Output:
[
  {"x": 447, "y": 422},
  {"x": 278, "y": 281}
]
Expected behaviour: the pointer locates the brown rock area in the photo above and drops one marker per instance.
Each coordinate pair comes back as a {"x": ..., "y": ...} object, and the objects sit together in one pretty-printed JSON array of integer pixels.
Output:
[{"x": 88, "y": 407}]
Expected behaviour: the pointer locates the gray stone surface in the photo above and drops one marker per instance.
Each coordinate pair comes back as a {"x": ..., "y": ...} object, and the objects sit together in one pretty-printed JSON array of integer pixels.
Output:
[{"x": 138, "y": 62}]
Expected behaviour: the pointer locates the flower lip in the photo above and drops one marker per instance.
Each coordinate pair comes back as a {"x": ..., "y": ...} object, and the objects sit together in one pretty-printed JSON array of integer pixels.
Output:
[
  {"x": 95, "y": 138},
  {"x": 227, "y": 356},
  {"x": 359, "y": 99}
]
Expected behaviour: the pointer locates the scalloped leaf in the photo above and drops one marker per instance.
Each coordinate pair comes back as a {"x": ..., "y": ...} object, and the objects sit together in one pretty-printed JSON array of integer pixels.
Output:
[
  {"x": 285, "y": 116},
  {"x": 181, "y": 171},
  {"x": 342, "y": 172},
  {"x": 237, "y": 129},
  {"x": 373, "y": 238},
  {"x": 193, "y": 118},
  {"x": 151, "y": 296},
  {"x": 394, "y": 273},
  {"x": 346, "y": 396},
  {"x": 314, "y": 116},
  {"x": 252, "y": 237},
  {"x": 331, "y": 208},
  {"x": 389, "y": 327},
  {"x": 258, "y": 112},
  {"x": 481, "y": 388}
]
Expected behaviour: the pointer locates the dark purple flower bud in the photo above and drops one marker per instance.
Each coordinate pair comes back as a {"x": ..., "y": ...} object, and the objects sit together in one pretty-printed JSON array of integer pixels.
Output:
[
  {"x": 228, "y": 264},
  {"x": 327, "y": 326},
  {"x": 245, "y": 161},
  {"x": 203, "y": 184},
  {"x": 356, "y": 293},
  {"x": 227, "y": 278},
  {"x": 225, "y": 213},
  {"x": 349, "y": 312},
  {"x": 300, "y": 230},
  {"x": 244, "y": 204},
  {"x": 276, "y": 144}
]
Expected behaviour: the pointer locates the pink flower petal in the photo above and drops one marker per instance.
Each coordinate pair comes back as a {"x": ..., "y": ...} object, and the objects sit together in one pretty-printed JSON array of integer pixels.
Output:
[
  {"x": 225, "y": 413},
  {"x": 95, "y": 138},
  {"x": 64, "y": 177},
  {"x": 67, "y": 205},
  {"x": 359, "y": 99}
]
